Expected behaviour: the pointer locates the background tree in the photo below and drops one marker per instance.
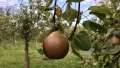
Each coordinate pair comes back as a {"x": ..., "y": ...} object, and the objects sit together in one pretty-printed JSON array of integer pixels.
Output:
[{"x": 30, "y": 20}]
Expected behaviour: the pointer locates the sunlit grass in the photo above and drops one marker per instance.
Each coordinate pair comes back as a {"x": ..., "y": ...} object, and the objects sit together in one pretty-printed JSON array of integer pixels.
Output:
[{"x": 12, "y": 56}]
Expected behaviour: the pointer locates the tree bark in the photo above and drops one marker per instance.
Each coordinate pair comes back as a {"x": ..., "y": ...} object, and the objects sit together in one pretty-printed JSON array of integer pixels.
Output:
[{"x": 26, "y": 55}]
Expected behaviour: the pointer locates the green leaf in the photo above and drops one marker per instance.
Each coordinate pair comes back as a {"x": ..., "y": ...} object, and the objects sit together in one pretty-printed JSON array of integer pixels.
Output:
[
  {"x": 101, "y": 16},
  {"x": 76, "y": 53},
  {"x": 81, "y": 41},
  {"x": 69, "y": 15},
  {"x": 92, "y": 26},
  {"x": 101, "y": 11},
  {"x": 112, "y": 49}
]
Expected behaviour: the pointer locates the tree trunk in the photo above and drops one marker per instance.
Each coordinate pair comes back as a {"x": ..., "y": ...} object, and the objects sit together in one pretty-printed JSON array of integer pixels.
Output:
[{"x": 26, "y": 55}]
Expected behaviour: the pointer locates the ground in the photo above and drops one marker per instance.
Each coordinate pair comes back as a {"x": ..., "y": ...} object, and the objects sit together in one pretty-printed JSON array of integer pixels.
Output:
[{"x": 12, "y": 56}]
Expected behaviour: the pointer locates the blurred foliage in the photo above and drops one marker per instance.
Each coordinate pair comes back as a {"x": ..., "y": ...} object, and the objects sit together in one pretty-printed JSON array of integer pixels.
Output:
[
  {"x": 106, "y": 54},
  {"x": 91, "y": 37},
  {"x": 90, "y": 25}
]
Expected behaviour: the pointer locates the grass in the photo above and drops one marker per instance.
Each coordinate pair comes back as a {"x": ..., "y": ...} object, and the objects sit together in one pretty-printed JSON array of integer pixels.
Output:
[{"x": 12, "y": 56}]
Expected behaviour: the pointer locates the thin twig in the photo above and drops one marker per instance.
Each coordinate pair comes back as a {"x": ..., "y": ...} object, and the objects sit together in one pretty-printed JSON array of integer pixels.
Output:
[{"x": 54, "y": 19}]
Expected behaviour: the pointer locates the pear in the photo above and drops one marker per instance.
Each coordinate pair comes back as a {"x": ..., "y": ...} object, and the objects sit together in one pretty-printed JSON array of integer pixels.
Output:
[{"x": 55, "y": 45}]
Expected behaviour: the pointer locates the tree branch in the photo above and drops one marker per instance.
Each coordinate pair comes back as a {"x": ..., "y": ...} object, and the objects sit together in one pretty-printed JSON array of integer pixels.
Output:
[
  {"x": 54, "y": 19},
  {"x": 77, "y": 22}
]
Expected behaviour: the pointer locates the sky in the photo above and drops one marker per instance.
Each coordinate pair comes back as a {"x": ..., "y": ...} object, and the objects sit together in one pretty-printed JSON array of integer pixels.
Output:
[
  {"x": 5, "y": 3},
  {"x": 84, "y": 5},
  {"x": 9, "y": 3}
]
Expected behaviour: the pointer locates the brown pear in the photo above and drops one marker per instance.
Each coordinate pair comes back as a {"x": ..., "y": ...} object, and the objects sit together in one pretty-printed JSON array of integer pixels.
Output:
[
  {"x": 115, "y": 40},
  {"x": 55, "y": 46}
]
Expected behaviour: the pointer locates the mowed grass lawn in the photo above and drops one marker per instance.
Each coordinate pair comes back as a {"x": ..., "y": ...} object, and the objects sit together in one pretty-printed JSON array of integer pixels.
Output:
[{"x": 12, "y": 56}]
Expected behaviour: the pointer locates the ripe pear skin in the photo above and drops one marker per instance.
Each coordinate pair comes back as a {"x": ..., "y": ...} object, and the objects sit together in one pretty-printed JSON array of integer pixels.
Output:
[{"x": 55, "y": 45}]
